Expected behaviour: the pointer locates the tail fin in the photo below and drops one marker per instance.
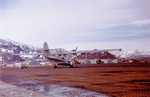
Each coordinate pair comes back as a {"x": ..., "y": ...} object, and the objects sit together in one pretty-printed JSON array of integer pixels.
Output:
[
  {"x": 75, "y": 49},
  {"x": 46, "y": 49}
]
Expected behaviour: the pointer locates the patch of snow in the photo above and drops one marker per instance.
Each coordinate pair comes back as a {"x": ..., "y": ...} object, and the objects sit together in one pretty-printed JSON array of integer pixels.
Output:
[
  {"x": 51, "y": 90},
  {"x": 133, "y": 53},
  {"x": 8, "y": 90},
  {"x": 64, "y": 91},
  {"x": 3, "y": 50}
]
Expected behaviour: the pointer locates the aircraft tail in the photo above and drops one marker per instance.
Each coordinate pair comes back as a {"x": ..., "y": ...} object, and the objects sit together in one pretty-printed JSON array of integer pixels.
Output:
[
  {"x": 46, "y": 49},
  {"x": 75, "y": 49}
]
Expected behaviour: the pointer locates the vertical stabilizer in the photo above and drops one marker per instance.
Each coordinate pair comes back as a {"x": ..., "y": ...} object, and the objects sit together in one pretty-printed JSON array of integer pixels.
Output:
[{"x": 46, "y": 49}]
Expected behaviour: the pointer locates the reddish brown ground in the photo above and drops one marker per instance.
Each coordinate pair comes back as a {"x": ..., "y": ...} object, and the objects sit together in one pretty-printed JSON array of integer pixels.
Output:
[{"x": 115, "y": 80}]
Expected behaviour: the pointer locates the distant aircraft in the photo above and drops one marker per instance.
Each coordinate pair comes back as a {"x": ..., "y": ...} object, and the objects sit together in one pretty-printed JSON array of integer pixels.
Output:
[{"x": 63, "y": 57}]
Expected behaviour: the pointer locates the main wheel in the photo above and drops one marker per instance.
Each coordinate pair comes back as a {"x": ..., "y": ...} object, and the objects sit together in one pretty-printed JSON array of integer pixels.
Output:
[
  {"x": 71, "y": 66},
  {"x": 55, "y": 66}
]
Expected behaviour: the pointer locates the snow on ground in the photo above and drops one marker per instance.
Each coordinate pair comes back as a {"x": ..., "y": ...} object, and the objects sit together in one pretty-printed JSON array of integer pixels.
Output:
[
  {"x": 64, "y": 91},
  {"x": 8, "y": 90}
]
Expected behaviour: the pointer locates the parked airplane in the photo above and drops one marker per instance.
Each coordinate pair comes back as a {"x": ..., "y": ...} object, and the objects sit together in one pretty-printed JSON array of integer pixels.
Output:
[{"x": 63, "y": 57}]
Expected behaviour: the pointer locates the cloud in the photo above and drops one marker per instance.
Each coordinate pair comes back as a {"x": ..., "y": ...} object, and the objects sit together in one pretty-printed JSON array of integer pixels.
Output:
[
  {"x": 122, "y": 32},
  {"x": 72, "y": 21},
  {"x": 141, "y": 22}
]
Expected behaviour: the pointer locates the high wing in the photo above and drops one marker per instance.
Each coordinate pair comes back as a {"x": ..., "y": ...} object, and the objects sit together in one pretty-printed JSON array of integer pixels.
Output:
[
  {"x": 46, "y": 50},
  {"x": 89, "y": 51},
  {"x": 48, "y": 53}
]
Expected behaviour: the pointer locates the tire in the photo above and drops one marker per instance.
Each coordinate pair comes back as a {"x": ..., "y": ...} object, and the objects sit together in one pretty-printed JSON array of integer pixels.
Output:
[
  {"x": 55, "y": 66},
  {"x": 71, "y": 66},
  {"x": 25, "y": 67},
  {"x": 21, "y": 67}
]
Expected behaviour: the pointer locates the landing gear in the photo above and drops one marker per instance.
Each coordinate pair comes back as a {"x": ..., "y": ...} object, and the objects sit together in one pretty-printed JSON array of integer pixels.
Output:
[
  {"x": 55, "y": 66},
  {"x": 23, "y": 67},
  {"x": 71, "y": 66}
]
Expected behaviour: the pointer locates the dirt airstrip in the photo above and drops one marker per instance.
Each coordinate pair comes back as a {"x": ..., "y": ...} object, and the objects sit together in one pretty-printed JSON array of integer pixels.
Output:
[{"x": 117, "y": 80}]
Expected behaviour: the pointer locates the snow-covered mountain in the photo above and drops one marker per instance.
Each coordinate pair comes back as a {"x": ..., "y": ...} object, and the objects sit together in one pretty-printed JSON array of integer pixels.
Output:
[
  {"x": 135, "y": 54},
  {"x": 9, "y": 47}
]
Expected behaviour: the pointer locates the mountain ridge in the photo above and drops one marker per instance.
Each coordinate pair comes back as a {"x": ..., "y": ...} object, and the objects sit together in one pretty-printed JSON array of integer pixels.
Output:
[{"x": 9, "y": 47}]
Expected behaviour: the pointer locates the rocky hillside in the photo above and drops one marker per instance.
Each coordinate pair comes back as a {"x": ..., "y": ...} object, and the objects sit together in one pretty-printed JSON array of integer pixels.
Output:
[
  {"x": 9, "y": 47},
  {"x": 134, "y": 56}
]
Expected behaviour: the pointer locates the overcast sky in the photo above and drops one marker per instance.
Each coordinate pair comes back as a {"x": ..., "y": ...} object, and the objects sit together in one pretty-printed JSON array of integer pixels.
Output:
[{"x": 87, "y": 24}]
